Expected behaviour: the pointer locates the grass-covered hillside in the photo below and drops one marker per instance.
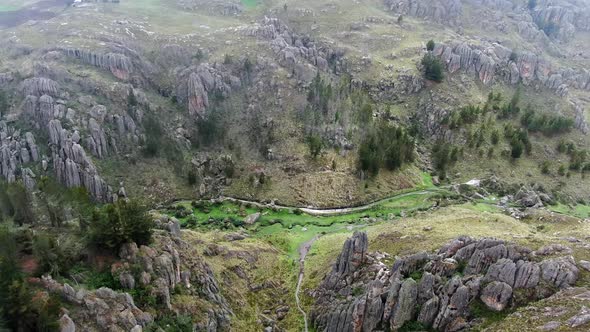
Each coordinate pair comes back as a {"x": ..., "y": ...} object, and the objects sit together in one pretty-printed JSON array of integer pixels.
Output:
[{"x": 196, "y": 165}]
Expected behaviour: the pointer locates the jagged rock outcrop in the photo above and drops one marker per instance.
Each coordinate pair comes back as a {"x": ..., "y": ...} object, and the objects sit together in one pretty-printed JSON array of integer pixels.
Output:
[
  {"x": 102, "y": 309},
  {"x": 494, "y": 61},
  {"x": 429, "y": 116},
  {"x": 198, "y": 83},
  {"x": 212, "y": 172},
  {"x": 167, "y": 263},
  {"x": 17, "y": 150},
  {"x": 38, "y": 86},
  {"x": 563, "y": 17},
  {"x": 96, "y": 141},
  {"x": 532, "y": 196},
  {"x": 462, "y": 272},
  {"x": 350, "y": 259},
  {"x": 439, "y": 11},
  {"x": 580, "y": 118},
  {"x": 118, "y": 64},
  {"x": 73, "y": 167},
  {"x": 290, "y": 47}
]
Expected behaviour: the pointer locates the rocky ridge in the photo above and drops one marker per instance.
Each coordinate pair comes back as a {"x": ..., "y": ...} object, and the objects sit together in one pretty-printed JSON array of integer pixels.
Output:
[
  {"x": 16, "y": 152},
  {"x": 293, "y": 50},
  {"x": 98, "y": 310},
  {"x": 71, "y": 133},
  {"x": 439, "y": 11},
  {"x": 197, "y": 84},
  {"x": 170, "y": 263},
  {"x": 437, "y": 290},
  {"x": 498, "y": 62},
  {"x": 118, "y": 64},
  {"x": 566, "y": 17}
]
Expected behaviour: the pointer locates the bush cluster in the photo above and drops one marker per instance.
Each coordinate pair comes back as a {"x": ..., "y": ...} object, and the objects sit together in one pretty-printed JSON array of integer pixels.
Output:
[
  {"x": 122, "y": 222},
  {"x": 546, "y": 123},
  {"x": 385, "y": 146},
  {"x": 433, "y": 68}
]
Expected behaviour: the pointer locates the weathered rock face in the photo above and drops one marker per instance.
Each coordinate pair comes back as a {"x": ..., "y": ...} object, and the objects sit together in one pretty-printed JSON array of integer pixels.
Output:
[
  {"x": 439, "y": 11},
  {"x": 580, "y": 118},
  {"x": 566, "y": 16},
  {"x": 106, "y": 132},
  {"x": 38, "y": 86},
  {"x": 167, "y": 263},
  {"x": 102, "y": 309},
  {"x": 73, "y": 167},
  {"x": 118, "y": 64},
  {"x": 461, "y": 272},
  {"x": 430, "y": 115},
  {"x": 197, "y": 83},
  {"x": 212, "y": 173},
  {"x": 350, "y": 259},
  {"x": 529, "y": 196},
  {"x": 16, "y": 151},
  {"x": 295, "y": 52},
  {"x": 494, "y": 62}
]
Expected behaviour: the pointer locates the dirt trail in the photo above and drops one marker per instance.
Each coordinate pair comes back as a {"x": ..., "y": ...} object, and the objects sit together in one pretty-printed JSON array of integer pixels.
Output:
[
  {"x": 303, "y": 250},
  {"x": 330, "y": 212}
]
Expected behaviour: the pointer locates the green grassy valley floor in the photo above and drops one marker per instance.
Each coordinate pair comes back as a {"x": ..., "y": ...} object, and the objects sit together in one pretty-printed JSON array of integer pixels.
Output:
[{"x": 274, "y": 240}]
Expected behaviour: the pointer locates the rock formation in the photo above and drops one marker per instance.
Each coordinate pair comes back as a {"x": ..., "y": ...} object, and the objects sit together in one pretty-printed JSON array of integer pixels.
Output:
[
  {"x": 291, "y": 48},
  {"x": 102, "y": 309},
  {"x": 118, "y": 64},
  {"x": 73, "y": 167},
  {"x": 436, "y": 290},
  {"x": 38, "y": 86},
  {"x": 16, "y": 151},
  {"x": 439, "y": 11},
  {"x": 167, "y": 263},
  {"x": 495, "y": 62},
  {"x": 197, "y": 83}
]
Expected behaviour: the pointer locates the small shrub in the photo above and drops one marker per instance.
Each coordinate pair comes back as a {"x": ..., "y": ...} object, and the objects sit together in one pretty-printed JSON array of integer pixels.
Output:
[
  {"x": 411, "y": 326},
  {"x": 191, "y": 221},
  {"x": 416, "y": 275},
  {"x": 119, "y": 223},
  {"x": 430, "y": 45},
  {"x": 227, "y": 59},
  {"x": 545, "y": 167},
  {"x": 171, "y": 323},
  {"x": 315, "y": 145},
  {"x": 479, "y": 310},
  {"x": 513, "y": 56},
  {"x": 495, "y": 137},
  {"x": 55, "y": 256},
  {"x": 358, "y": 291},
  {"x": 199, "y": 55},
  {"x": 192, "y": 177},
  {"x": 433, "y": 68}
]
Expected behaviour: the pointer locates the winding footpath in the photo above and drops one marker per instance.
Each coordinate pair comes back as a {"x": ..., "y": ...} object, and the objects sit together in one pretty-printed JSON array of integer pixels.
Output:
[
  {"x": 316, "y": 212},
  {"x": 303, "y": 250},
  {"x": 306, "y": 246}
]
